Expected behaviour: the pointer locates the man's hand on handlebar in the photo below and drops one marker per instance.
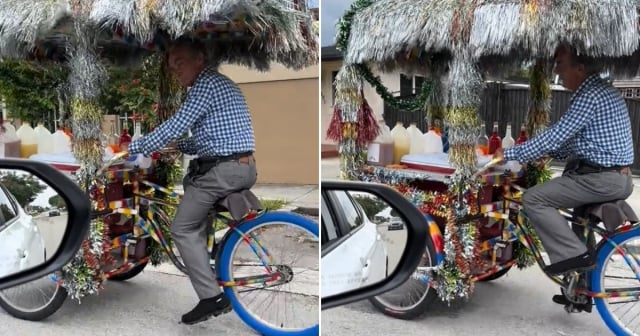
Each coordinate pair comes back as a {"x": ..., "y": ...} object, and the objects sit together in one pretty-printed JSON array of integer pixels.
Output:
[{"x": 541, "y": 162}]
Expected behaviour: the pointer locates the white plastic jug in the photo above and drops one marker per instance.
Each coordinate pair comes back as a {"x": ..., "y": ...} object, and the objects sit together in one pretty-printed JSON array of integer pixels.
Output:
[
  {"x": 432, "y": 142},
  {"x": 11, "y": 141},
  {"x": 417, "y": 139},
  {"x": 61, "y": 142},
  {"x": 28, "y": 140},
  {"x": 44, "y": 139},
  {"x": 401, "y": 142}
]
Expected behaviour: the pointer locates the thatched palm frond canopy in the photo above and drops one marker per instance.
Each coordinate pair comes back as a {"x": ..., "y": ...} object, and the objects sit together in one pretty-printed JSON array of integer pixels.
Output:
[
  {"x": 253, "y": 33},
  {"x": 401, "y": 33}
]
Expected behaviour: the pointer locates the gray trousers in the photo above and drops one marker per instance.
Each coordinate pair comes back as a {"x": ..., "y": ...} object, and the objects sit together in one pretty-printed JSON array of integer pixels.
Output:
[
  {"x": 571, "y": 190},
  {"x": 190, "y": 227}
]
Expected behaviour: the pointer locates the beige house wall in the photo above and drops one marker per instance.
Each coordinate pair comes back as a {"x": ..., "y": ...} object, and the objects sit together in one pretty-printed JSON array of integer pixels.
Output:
[
  {"x": 390, "y": 80},
  {"x": 284, "y": 108}
]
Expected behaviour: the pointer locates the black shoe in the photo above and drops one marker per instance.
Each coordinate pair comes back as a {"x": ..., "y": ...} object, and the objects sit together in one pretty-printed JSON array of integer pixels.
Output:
[
  {"x": 207, "y": 308},
  {"x": 582, "y": 262},
  {"x": 561, "y": 299}
]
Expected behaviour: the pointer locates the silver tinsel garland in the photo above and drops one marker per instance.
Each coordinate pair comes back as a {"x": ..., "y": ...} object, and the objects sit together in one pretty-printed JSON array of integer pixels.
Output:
[
  {"x": 500, "y": 30},
  {"x": 86, "y": 79},
  {"x": 278, "y": 31},
  {"x": 466, "y": 86},
  {"x": 77, "y": 277}
]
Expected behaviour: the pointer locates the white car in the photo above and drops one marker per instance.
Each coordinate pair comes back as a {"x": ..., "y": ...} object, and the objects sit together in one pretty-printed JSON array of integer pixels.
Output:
[
  {"x": 353, "y": 252},
  {"x": 22, "y": 243}
]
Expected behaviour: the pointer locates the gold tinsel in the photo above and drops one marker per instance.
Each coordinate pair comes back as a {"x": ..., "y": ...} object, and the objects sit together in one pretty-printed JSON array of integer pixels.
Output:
[
  {"x": 88, "y": 150},
  {"x": 462, "y": 155},
  {"x": 466, "y": 117},
  {"x": 350, "y": 130},
  {"x": 169, "y": 91},
  {"x": 85, "y": 111},
  {"x": 540, "y": 95}
]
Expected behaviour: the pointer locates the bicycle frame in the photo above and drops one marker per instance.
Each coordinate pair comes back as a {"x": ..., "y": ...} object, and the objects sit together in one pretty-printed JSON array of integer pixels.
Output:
[
  {"x": 510, "y": 210},
  {"x": 152, "y": 223}
]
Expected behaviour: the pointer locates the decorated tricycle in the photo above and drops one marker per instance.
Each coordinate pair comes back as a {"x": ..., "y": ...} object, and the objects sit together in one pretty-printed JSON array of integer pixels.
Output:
[
  {"x": 477, "y": 226},
  {"x": 133, "y": 205}
]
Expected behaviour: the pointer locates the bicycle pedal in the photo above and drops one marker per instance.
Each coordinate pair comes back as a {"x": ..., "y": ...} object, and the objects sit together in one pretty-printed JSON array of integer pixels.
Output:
[{"x": 578, "y": 308}]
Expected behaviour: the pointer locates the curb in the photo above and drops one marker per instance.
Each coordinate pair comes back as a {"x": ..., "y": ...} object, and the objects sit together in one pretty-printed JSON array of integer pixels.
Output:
[{"x": 315, "y": 212}]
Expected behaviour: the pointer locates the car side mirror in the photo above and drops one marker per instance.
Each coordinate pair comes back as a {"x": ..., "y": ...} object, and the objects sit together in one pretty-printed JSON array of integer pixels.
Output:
[
  {"x": 44, "y": 217},
  {"x": 372, "y": 241}
]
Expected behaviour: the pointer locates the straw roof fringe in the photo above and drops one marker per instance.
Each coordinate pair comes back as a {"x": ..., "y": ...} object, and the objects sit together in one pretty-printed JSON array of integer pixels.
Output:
[
  {"x": 599, "y": 28},
  {"x": 23, "y": 22},
  {"x": 395, "y": 34},
  {"x": 279, "y": 30}
]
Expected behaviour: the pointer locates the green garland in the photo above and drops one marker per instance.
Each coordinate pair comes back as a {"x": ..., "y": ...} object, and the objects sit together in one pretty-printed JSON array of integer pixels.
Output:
[
  {"x": 413, "y": 104},
  {"x": 344, "y": 24}
]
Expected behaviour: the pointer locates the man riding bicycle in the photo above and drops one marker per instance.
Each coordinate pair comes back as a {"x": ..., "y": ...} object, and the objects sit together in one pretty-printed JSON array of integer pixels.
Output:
[
  {"x": 217, "y": 114},
  {"x": 594, "y": 135}
]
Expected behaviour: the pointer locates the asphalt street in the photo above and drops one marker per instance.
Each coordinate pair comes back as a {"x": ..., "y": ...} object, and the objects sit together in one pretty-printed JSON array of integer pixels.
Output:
[
  {"x": 52, "y": 230},
  {"x": 153, "y": 302},
  {"x": 517, "y": 304}
]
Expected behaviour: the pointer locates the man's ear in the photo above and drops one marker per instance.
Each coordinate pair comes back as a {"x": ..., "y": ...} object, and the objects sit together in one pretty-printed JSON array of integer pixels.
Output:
[{"x": 201, "y": 59}]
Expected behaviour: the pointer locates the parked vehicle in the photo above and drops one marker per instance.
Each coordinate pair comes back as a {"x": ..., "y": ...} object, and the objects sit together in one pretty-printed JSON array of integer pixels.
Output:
[
  {"x": 365, "y": 257},
  {"x": 22, "y": 244},
  {"x": 353, "y": 246}
]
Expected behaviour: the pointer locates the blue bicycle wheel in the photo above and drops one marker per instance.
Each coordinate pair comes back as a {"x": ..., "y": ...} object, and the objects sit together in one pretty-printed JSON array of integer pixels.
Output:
[
  {"x": 285, "y": 226},
  {"x": 605, "y": 255}
]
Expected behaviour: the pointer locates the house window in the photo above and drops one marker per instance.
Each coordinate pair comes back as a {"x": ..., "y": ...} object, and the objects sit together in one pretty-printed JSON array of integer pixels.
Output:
[
  {"x": 334, "y": 74},
  {"x": 628, "y": 93},
  {"x": 410, "y": 85}
]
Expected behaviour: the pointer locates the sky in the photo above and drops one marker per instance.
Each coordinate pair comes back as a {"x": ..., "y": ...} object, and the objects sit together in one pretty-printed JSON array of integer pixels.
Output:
[{"x": 330, "y": 12}]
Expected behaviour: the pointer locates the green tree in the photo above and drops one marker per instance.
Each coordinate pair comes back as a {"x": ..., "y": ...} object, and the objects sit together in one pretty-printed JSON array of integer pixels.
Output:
[
  {"x": 24, "y": 187},
  {"x": 371, "y": 205},
  {"x": 29, "y": 89},
  {"x": 57, "y": 202}
]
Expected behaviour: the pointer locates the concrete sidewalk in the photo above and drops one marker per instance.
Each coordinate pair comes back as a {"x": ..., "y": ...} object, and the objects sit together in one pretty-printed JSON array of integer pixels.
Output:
[{"x": 300, "y": 198}]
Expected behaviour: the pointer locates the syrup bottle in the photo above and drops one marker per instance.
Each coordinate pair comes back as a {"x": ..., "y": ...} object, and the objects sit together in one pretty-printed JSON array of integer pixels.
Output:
[
  {"x": 494, "y": 141},
  {"x": 508, "y": 141},
  {"x": 482, "y": 143},
  {"x": 523, "y": 135},
  {"x": 124, "y": 140}
]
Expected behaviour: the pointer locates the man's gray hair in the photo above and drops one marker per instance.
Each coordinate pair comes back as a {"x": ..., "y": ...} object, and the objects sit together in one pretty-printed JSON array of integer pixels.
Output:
[{"x": 192, "y": 44}]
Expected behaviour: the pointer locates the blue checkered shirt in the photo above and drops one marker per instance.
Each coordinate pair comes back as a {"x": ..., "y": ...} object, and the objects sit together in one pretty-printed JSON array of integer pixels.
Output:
[
  {"x": 217, "y": 114},
  {"x": 596, "y": 128}
]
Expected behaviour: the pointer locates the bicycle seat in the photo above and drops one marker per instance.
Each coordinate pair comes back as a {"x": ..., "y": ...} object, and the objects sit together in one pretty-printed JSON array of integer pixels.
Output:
[
  {"x": 612, "y": 214},
  {"x": 239, "y": 204}
]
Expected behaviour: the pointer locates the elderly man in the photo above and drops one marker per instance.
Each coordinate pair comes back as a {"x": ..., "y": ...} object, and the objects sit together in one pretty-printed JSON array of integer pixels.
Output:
[
  {"x": 595, "y": 135},
  {"x": 216, "y": 112}
]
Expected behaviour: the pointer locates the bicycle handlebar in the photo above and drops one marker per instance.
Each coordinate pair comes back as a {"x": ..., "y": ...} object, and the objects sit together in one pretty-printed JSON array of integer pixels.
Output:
[
  {"x": 484, "y": 168},
  {"x": 495, "y": 161},
  {"x": 116, "y": 157},
  {"x": 172, "y": 153}
]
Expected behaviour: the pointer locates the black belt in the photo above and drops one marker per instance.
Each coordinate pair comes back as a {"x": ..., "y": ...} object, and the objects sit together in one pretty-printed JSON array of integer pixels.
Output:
[
  {"x": 219, "y": 159},
  {"x": 588, "y": 167}
]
